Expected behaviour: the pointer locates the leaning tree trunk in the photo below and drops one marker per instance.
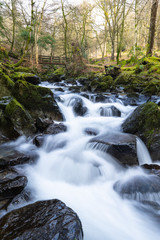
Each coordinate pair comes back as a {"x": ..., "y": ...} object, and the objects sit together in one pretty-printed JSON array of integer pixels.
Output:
[{"x": 152, "y": 27}]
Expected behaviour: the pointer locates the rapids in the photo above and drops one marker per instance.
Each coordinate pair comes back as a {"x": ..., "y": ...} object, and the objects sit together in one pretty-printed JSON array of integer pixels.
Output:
[{"x": 83, "y": 176}]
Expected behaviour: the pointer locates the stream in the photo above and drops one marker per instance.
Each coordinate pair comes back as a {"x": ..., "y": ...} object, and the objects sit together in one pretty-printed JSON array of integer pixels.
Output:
[{"x": 82, "y": 174}]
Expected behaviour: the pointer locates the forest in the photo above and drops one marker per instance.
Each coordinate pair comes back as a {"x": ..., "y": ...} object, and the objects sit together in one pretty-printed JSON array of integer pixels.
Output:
[{"x": 109, "y": 30}]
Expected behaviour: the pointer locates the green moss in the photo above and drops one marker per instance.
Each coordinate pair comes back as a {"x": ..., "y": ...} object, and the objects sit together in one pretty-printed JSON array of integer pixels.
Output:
[
  {"x": 21, "y": 75},
  {"x": 130, "y": 69},
  {"x": 23, "y": 69},
  {"x": 107, "y": 79},
  {"x": 94, "y": 83},
  {"x": 17, "y": 116},
  {"x": 149, "y": 120},
  {"x": 34, "y": 97},
  {"x": 124, "y": 78},
  {"x": 59, "y": 71},
  {"x": 152, "y": 87}
]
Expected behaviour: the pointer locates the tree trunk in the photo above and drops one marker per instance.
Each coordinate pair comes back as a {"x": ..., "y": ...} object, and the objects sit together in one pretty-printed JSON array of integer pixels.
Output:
[
  {"x": 113, "y": 49},
  {"x": 152, "y": 27},
  {"x": 14, "y": 25}
]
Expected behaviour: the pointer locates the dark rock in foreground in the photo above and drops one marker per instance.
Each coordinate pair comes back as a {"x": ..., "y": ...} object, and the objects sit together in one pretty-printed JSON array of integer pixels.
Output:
[
  {"x": 48, "y": 220},
  {"x": 119, "y": 145}
]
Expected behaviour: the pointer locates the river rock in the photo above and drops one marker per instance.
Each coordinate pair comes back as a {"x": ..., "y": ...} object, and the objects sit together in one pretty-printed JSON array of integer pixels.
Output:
[
  {"x": 11, "y": 184},
  {"x": 78, "y": 107},
  {"x": 48, "y": 220},
  {"x": 29, "y": 77},
  {"x": 110, "y": 111},
  {"x": 39, "y": 140},
  {"x": 55, "y": 128},
  {"x": 37, "y": 99},
  {"x": 13, "y": 159},
  {"x": 139, "y": 187},
  {"x": 120, "y": 146},
  {"x": 42, "y": 124},
  {"x": 145, "y": 122},
  {"x": 113, "y": 71}
]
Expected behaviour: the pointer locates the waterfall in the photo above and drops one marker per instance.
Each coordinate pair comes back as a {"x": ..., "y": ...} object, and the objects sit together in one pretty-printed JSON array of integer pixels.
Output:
[{"x": 142, "y": 153}]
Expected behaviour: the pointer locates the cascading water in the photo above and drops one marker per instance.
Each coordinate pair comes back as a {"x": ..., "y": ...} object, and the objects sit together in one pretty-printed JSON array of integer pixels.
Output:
[{"x": 83, "y": 177}]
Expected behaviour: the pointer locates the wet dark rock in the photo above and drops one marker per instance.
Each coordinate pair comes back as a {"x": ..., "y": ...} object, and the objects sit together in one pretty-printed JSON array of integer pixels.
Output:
[
  {"x": 24, "y": 197},
  {"x": 38, "y": 100},
  {"x": 53, "y": 78},
  {"x": 85, "y": 95},
  {"x": 139, "y": 187},
  {"x": 110, "y": 111},
  {"x": 91, "y": 131},
  {"x": 152, "y": 169},
  {"x": 59, "y": 89},
  {"x": 113, "y": 71},
  {"x": 3, "y": 138},
  {"x": 16, "y": 120},
  {"x": 4, "y": 204},
  {"x": 43, "y": 123},
  {"x": 75, "y": 89},
  {"x": 56, "y": 128},
  {"x": 39, "y": 140},
  {"x": 33, "y": 79},
  {"x": 13, "y": 159},
  {"x": 144, "y": 122},
  {"x": 100, "y": 98},
  {"x": 78, "y": 108},
  {"x": 11, "y": 184},
  {"x": 83, "y": 80},
  {"x": 120, "y": 146},
  {"x": 48, "y": 220}
]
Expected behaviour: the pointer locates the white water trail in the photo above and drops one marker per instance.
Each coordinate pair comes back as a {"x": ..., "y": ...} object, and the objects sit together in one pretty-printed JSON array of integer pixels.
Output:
[
  {"x": 143, "y": 153},
  {"x": 83, "y": 178}
]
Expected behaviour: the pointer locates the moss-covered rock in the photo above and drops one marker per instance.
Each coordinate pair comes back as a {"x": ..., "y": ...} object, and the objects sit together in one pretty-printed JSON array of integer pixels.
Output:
[
  {"x": 6, "y": 84},
  {"x": 29, "y": 77},
  {"x": 152, "y": 87},
  {"x": 21, "y": 120},
  {"x": 23, "y": 69},
  {"x": 36, "y": 98},
  {"x": 145, "y": 122}
]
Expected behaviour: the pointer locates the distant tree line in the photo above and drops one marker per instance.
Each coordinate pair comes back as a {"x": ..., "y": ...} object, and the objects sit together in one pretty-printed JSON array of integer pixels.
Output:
[{"x": 105, "y": 28}]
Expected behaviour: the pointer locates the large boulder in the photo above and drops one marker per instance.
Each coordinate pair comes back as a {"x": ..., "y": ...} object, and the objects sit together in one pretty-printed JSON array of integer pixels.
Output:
[
  {"x": 120, "y": 146},
  {"x": 6, "y": 84},
  {"x": 29, "y": 77},
  {"x": 139, "y": 187},
  {"x": 37, "y": 99},
  {"x": 145, "y": 122},
  {"x": 50, "y": 219},
  {"x": 16, "y": 115}
]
